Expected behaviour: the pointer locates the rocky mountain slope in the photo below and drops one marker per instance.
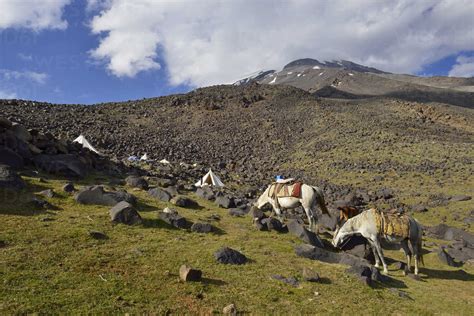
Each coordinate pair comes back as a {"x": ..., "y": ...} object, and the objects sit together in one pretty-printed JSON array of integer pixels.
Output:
[{"x": 348, "y": 80}]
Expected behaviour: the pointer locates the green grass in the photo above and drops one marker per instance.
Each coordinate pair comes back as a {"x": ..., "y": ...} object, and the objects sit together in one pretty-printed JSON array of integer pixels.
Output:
[{"x": 55, "y": 267}]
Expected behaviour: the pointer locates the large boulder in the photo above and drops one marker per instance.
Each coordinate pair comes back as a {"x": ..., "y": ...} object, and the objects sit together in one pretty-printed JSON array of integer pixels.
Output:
[
  {"x": 301, "y": 232},
  {"x": 137, "y": 182},
  {"x": 173, "y": 218},
  {"x": 21, "y": 132},
  {"x": 274, "y": 224},
  {"x": 443, "y": 231},
  {"x": 184, "y": 202},
  {"x": 67, "y": 165},
  {"x": 160, "y": 194},
  {"x": 10, "y": 158},
  {"x": 202, "y": 228},
  {"x": 225, "y": 202},
  {"x": 316, "y": 253},
  {"x": 227, "y": 255},
  {"x": 445, "y": 258},
  {"x": 9, "y": 179},
  {"x": 124, "y": 213},
  {"x": 96, "y": 195},
  {"x": 205, "y": 193}
]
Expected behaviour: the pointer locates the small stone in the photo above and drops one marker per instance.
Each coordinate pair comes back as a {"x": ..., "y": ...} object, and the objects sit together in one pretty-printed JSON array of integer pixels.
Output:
[
  {"x": 97, "y": 235},
  {"x": 68, "y": 187},
  {"x": 290, "y": 280},
  {"x": 201, "y": 228},
  {"x": 174, "y": 219},
  {"x": 123, "y": 212},
  {"x": 460, "y": 198},
  {"x": 188, "y": 274},
  {"x": 230, "y": 310},
  {"x": 419, "y": 208},
  {"x": 227, "y": 255},
  {"x": 310, "y": 275},
  {"x": 47, "y": 193}
]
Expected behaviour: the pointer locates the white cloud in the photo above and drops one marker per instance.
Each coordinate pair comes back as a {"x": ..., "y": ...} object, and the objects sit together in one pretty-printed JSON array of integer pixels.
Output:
[
  {"x": 25, "y": 57},
  {"x": 212, "y": 41},
  {"x": 35, "y": 77},
  {"x": 464, "y": 67},
  {"x": 33, "y": 14},
  {"x": 7, "y": 95}
]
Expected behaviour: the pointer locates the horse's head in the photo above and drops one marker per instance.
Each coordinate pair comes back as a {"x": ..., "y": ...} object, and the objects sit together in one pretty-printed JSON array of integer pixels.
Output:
[{"x": 262, "y": 199}]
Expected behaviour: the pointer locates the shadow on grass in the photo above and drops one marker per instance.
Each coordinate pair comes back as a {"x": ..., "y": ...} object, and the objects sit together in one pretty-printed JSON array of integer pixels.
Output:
[
  {"x": 143, "y": 207},
  {"x": 389, "y": 283},
  {"x": 448, "y": 275},
  {"x": 213, "y": 281},
  {"x": 157, "y": 223},
  {"x": 21, "y": 202}
]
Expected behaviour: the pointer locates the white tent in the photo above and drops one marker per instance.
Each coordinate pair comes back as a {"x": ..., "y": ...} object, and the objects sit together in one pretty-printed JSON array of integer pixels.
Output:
[
  {"x": 164, "y": 161},
  {"x": 210, "y": 179},
  {"x": 85, "y": 144},
  {"x": 144, "y": 157}
]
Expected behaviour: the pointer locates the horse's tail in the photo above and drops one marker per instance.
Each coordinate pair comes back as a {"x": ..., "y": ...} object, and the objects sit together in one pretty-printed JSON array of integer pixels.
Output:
[
  {"x": 321, "y": 201},
  {"x": 419, "y": 242}
]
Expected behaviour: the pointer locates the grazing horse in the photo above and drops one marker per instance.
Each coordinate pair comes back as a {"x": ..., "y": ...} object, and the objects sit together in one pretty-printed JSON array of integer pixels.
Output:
[
  {"x": 346, "y": 212},
  {"x": 374, "y": 225},
  {"x": 309, "y": 195}
]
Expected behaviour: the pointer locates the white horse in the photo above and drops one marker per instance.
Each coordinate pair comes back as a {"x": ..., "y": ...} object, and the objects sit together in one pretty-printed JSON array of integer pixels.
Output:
[
  {"x": 309, "y": 196},
  {"x": 370, "y": 225}
]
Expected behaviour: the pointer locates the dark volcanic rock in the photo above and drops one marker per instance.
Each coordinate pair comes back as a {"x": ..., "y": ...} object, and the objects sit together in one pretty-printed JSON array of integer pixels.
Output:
[
  {"x": 125, "y": 213},
  {"x": 160, "y": 194},
  {"x": 184, "y": 202},
  {"x": 317, "y": 253},
  {"x": 137, "y": 182},
  {"x": 174, "y": 219},
  {"x": 301, "y": 232},
  {"x": 68, "y": 187},
  {"x": 97, "y": 235},
  {"x": 202, "y": 228},
  {"x": 9, "y": 179},
  {"x": 310, "y": 275},
  {"x": 274, "y": 224},
  {"x": 205, "y": 193},
  {"x": 460, "y": 198},
  {"x": 225, "y": 202},
  {"x": 67, "y": 165},
  {"x": 188, "y": 274},
  {"x": 419, "y": 208},
  {"x": 229, "y": 256},
  {"x": 10, "y": 158},
  {"x": 237, "y": 212},
  {"x": 98, "y": 196},
  {"x": 445, "y": 258},
  {"x": 256, "y": 213},
  {"x": 290, "y": 280}
]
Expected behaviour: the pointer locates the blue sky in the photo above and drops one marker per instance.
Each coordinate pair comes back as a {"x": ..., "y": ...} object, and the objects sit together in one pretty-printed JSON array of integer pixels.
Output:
[{"x": 65, "y": 51}]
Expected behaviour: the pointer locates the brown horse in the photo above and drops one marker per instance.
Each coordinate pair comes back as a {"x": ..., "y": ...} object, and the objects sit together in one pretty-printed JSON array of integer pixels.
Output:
[{"x": 346, "y": 212}]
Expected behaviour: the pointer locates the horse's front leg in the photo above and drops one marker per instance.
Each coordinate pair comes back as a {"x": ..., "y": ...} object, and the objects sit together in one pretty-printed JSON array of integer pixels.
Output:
[
  {"x": 376, "y": 256},
  {"x": 380, "y": 253},
  {"x": 277, "y": 211}
]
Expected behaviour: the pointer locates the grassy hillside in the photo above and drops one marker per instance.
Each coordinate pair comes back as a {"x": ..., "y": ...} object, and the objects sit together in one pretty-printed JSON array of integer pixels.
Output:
[{"x": 51, "y": 264}]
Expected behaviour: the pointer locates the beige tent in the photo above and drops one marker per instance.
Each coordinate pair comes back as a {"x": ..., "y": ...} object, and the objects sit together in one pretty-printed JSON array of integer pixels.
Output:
[
  {"x": 210, "y": 179},
  {"x": 85, "y": 144}
]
